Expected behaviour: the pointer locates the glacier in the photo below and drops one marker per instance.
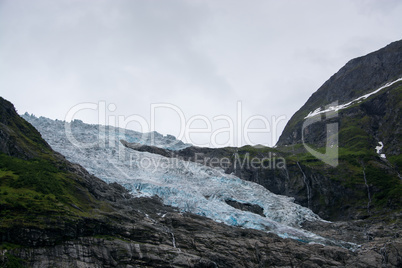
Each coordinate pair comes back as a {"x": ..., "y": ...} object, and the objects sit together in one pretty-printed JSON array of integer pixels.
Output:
[{"x": 188, "y": 186}]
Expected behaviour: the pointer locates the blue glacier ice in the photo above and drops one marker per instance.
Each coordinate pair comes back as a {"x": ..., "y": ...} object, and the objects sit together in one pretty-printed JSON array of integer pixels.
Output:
[{"x": 189, "y": 186}]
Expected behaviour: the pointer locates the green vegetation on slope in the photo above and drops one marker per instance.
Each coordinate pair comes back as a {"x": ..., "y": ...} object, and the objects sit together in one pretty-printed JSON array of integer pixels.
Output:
[
  {"x": 36, "y": 186},
  {"x": 34, "y": 191}
]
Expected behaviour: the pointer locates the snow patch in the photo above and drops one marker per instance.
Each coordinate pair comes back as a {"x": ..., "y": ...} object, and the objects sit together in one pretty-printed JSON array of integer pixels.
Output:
[{"x": 379, "y": 148}]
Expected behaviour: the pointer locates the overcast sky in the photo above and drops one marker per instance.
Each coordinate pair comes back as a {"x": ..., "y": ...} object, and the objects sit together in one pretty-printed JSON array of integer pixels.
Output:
[{"x": 262, "y": 59}]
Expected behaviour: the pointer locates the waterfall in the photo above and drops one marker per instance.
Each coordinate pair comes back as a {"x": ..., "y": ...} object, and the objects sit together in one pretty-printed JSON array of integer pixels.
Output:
[
  {"x": 368, "y": 189},
  {"x": 174, "y": 241},
  {"x": 307, "y": 186}
]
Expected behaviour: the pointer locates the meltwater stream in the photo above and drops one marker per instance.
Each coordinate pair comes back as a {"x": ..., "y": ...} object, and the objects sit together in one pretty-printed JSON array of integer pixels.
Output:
[{"x": 189, "y": 186}]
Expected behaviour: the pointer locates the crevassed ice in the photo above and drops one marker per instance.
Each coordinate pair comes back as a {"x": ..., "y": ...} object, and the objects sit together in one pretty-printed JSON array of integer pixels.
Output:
[
  {"x": 107, "y": 134},
  {"x": 189, "y": 186}
]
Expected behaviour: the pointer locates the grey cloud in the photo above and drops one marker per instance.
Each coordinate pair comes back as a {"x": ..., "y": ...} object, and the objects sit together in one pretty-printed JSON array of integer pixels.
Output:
[{"x": 202, "y": 56}]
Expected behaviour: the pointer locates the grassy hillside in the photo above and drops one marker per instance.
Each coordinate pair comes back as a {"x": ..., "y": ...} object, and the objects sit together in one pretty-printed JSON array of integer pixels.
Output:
[{"x": 37, "y": 185}]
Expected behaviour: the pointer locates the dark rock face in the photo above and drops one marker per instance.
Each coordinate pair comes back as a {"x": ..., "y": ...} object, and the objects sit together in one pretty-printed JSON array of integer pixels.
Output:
[
  {"x": 184, "y": 240},
  {"x": 246, "y": 207},
  {"x": 384, "y": 124},
  {"x": 201, "y": 155},
  {"x": 147, "y": 148},
  {"x": 309, "y": 188}
]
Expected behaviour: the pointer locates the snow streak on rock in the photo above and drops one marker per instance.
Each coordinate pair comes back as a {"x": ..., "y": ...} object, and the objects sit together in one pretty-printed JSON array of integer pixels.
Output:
[{"x": 346, "y": 105}]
